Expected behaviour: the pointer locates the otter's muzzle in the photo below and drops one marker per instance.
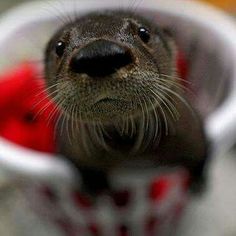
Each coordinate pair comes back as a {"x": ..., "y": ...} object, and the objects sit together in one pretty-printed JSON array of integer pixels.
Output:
[{"x": 100, "y": 58}]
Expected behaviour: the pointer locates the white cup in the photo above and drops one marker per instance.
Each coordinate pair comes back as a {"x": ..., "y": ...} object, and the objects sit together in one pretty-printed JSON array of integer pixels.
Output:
[{"x": 202, "y": 31}]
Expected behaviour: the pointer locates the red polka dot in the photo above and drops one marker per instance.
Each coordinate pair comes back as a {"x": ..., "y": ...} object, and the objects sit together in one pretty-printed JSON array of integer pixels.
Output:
[
  {"x": 123, "y": 230},
  {"x": 66, "y": 227},
  {"x": 159, "y": 189},
  {"x": 121, "y": 198},
  {"x": 81, "y": 200},
  {"x": 49, "y": 194},
  {"x": 185, "y": 181},
  {"x": 151, "y": 226},
  {"x": 179, "y": 210},
  {"x": 94, "y": 230}
]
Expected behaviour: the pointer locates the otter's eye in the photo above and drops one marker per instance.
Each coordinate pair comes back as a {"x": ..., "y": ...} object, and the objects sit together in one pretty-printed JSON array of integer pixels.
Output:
[
  {"x": 144, "y": 34},
  {"x": 60, "y": 48}
]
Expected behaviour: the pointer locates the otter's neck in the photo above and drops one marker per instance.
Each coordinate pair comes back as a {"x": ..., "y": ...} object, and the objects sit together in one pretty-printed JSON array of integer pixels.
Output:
[{"x": 127, "y": 136}]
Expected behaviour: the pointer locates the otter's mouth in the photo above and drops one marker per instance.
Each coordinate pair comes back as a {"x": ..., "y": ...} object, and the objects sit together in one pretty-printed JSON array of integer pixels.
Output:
[
  {"x": 107, "y": 100},
  {"x": 107, "y": 104}
]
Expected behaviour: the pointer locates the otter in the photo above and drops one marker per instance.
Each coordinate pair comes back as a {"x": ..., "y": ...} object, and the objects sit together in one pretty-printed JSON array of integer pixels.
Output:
[{"x": 113, "y": 75}]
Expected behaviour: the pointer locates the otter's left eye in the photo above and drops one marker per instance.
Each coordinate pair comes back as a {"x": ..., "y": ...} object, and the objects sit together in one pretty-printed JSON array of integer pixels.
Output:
[
  {"x": 144, "y": 34},
  {"x": 60, "y": 48}
]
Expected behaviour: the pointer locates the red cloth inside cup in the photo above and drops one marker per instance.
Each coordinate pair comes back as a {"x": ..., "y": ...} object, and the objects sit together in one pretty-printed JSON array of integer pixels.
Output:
[{"x": 25, "y": 109}]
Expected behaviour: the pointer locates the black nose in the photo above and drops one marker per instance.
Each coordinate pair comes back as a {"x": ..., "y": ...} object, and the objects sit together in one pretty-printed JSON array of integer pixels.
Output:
[{"x": 100, "y": 58}]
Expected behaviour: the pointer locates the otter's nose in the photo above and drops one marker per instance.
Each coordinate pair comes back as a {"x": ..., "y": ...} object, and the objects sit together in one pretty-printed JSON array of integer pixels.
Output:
[{"x": 100, "y": 58}]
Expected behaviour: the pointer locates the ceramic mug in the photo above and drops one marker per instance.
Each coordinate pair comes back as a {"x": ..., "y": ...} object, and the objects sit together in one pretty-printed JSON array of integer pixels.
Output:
[{"x": 145, "y": 202}]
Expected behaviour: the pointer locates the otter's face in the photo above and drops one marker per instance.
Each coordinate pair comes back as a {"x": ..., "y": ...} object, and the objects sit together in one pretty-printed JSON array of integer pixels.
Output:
[{"x": 107, "y": 66}]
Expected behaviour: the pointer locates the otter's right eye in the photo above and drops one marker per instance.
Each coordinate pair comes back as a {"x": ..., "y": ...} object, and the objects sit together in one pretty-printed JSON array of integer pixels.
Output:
[
  {"x": 60, "y": 48},
  {"x": 144, "y": 34}
]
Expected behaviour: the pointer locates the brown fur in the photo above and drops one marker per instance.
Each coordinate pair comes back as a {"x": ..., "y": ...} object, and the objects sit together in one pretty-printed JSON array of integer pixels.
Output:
[{"x": 166, "y": 131}]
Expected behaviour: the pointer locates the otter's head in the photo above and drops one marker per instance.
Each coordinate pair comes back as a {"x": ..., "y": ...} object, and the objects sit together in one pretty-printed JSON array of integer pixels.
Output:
[{"x": 107, "y": 66}]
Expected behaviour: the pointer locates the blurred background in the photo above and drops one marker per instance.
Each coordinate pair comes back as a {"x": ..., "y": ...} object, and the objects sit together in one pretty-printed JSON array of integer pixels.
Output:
[
  {"x": 227, "y": 5},
  {"x": 216, "y": 208}
]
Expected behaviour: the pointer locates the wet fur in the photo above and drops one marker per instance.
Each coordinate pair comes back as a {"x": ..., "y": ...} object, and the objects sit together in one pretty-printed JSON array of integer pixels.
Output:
[{"x": 155, "y": 122}]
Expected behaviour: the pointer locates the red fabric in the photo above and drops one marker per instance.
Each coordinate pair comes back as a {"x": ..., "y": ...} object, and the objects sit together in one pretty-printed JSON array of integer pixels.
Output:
[
  {"x": 160, "y": 188},
  {"x": 182, "y": 65},
  {"x": 21, "y": 121}
]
